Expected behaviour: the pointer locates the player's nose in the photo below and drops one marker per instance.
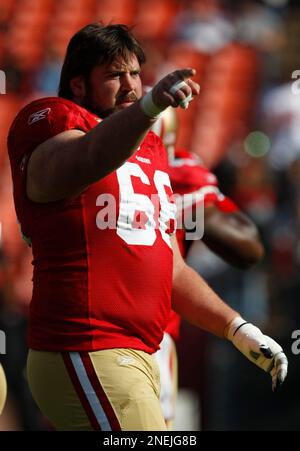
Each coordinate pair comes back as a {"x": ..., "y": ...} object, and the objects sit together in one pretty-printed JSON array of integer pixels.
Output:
[{"x": 128, "y": 83}]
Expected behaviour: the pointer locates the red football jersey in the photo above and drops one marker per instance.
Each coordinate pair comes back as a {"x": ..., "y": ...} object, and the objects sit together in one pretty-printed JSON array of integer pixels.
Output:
[
  {"x": 189, "y": 176},
  {"x": 103, "y": 260}
]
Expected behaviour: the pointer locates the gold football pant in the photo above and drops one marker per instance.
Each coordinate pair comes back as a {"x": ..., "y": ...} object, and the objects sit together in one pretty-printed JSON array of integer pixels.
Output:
[
  {"x": 109, "y": 390},
  {"x": 3, "y": 388}
]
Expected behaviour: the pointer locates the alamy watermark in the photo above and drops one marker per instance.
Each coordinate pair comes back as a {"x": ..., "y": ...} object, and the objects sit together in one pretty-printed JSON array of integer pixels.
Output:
[
  {"x": 2, "y": 82},
  {"x": 2, "y": 342},
  {"x": 142, "y": 214},
  {"x": 296, "y": 344},
  {"x": 296, "y": 83}
]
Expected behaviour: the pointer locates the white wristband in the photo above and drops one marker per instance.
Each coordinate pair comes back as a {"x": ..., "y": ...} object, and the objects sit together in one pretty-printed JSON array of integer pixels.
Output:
[{"x": 149, "y": 107}]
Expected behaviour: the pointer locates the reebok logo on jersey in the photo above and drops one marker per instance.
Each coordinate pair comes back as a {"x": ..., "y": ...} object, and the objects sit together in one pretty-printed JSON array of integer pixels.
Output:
[
  {"x": 143, "y": 160},
  {"x": 38, "y": 116}
]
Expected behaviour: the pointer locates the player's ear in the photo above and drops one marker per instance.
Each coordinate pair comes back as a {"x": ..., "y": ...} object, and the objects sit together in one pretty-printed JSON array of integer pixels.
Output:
[{"x": 77, "y": 85}]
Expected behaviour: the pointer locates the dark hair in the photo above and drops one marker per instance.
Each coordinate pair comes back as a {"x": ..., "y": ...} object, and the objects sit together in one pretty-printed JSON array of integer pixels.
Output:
[{"x": 96, "y": 44}]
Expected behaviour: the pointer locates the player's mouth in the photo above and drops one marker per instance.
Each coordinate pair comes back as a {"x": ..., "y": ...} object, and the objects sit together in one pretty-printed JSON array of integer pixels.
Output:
[
  {"x": 125, "y": 104},
  {"x": 125, "y": 101}
]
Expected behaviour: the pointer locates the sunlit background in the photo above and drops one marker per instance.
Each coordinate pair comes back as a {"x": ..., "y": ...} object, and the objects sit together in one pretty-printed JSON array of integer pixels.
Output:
[{"x": 245, "y": 125}]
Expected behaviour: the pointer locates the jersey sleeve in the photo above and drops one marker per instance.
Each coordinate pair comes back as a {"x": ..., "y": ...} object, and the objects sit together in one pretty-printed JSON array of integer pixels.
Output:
[
  {"x": 225, "y": 204},
  {"x": 35, "y": 124},
  {"x": 38, "y": 122},
  {"x": 191, "y": 182}
]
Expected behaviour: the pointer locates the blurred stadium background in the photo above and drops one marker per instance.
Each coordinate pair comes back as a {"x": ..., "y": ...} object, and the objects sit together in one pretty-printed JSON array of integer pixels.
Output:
[{"x": 244, "y": 125}]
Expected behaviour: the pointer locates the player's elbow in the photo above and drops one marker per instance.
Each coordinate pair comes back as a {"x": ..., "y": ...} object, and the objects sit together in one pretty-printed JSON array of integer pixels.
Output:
[{"x": 250, "y": 251}]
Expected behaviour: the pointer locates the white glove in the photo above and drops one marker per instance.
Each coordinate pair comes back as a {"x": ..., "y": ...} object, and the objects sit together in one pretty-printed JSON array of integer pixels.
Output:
[{"x": 260, "y": 349}]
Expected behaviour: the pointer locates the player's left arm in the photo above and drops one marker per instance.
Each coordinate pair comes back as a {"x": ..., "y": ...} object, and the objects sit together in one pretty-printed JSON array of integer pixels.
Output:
[
  {"x": 194, "y": 300},
  {"x": 197, "y": 303}
]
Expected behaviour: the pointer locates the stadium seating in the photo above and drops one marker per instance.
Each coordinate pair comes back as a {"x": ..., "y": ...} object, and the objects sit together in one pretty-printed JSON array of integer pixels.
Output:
[
  {"x": 116, "y": 11},
  {"x": 227, "y": 102},
  {"x": 154, "y": 18},
  {"x": 9, "y": 105}
]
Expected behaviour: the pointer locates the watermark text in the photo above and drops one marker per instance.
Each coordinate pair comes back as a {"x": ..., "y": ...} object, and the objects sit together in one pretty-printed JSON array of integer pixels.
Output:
[
  {"x": 296, "y": 344},
  {"x": 296, "y": 83},
  {"x": 2, "y": 82},
  {"x": 143, "y": 213},
  {"x": 2, "y": 342}
]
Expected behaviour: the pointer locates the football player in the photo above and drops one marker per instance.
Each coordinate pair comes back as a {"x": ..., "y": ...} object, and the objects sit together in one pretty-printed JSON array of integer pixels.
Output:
[{"x": 91, "y": 191}]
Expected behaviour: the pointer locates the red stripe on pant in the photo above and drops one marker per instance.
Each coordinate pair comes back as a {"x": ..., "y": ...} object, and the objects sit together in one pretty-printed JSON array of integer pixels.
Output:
[
  {"x": 104, "y": 401},
  {"x": 80, "y": 392}
]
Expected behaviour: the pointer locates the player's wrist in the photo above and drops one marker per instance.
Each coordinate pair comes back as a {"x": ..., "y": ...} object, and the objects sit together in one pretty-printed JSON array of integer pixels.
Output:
[
  {"x": 148, "y": 106},
  {"x": 233, "y": 326}
]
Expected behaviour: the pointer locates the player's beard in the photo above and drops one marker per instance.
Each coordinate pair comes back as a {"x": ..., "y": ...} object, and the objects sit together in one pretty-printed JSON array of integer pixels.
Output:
[{"x": 95, "y": 108}]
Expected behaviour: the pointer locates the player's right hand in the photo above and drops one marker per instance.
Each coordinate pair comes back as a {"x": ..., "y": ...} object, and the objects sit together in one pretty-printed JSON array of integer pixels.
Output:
[{"x": 175, "y": 89}]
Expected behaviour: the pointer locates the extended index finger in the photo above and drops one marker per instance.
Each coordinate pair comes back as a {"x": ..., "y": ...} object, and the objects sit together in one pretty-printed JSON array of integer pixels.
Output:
[{"x": 186, "y": 73}]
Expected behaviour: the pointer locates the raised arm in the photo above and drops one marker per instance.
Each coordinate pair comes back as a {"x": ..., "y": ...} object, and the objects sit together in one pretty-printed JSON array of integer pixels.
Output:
[{"x": 64, "y": 165}]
